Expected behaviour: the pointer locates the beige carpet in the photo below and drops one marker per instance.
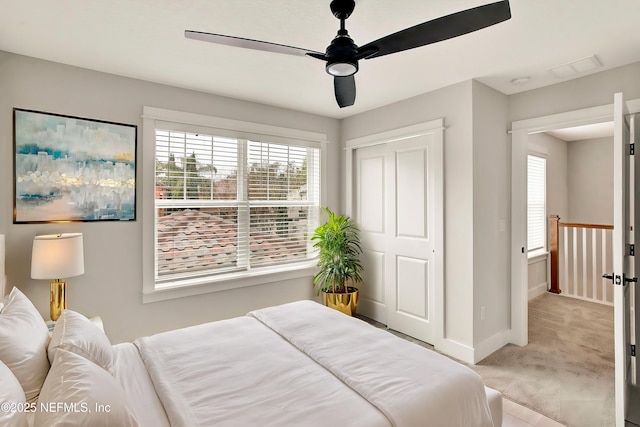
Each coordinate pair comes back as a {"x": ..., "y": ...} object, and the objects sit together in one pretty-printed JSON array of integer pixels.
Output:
[{"x": 566, "y": 372}]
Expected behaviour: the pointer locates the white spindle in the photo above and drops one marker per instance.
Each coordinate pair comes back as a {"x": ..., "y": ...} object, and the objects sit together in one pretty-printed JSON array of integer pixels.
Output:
[
  {"x": 583, "y": 261},
  {"x": 594, "y": 263},
  {"x": 574, "y": 232},
  {"x": 602, "y": 262},
  {"x": 565, "y": 271}
]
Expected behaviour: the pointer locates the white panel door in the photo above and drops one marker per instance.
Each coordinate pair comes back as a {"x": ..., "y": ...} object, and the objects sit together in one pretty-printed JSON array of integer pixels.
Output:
[
  {"x": 633, "y": 404},
  {"x": 622, "y": 265},
  {"x": 370, "y": 204},
  {"x": 635, "y": 288},
  {"x": 410, "y": 250},
  {"x": 398, "y": 206}
]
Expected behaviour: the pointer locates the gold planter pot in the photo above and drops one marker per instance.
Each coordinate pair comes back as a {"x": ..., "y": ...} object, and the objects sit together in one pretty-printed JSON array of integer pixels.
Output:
[{"x": 346, "y": 303}]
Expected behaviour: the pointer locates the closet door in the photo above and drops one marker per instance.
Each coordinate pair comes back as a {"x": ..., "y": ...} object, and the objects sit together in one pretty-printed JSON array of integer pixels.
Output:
[
  {"x": 398, "y": 206},
  {"x": 370, "y": 213},
  {"x": 411, "y": 253}
]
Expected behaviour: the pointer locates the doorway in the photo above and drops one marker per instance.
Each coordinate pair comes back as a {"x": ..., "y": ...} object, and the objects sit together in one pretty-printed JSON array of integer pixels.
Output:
[
  {"x": 520, "y": 135},
  {"x": 521, "y": 131}
]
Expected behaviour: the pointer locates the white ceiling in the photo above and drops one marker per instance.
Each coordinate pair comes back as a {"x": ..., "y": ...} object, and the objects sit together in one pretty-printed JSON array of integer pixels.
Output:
[
  {"x": 144, "y": 39},
  {"x": 580, "y": 133}
]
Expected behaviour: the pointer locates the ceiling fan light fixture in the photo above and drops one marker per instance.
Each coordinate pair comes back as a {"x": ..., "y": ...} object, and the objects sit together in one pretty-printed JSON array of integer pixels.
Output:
[{"x": 342, "y": 69}]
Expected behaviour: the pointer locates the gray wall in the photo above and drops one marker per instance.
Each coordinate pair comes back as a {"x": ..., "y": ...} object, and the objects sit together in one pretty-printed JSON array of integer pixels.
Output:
[
  {"x": 476, "y": 195},
  {"x": 557, "y": 174},
  {"x": 579, "y": 178},
  {"x": 112, "y": 284},
  {"x": 590, "y": 181},
  {"x": 491, "y": 213}
]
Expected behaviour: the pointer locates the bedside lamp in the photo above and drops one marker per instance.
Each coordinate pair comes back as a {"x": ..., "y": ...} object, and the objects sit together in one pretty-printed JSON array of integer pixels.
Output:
[{"x": 57, "y": 256}]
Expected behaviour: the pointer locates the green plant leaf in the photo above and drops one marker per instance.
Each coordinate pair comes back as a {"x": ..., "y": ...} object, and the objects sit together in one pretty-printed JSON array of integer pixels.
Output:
[{"x": 339, "y": 250}]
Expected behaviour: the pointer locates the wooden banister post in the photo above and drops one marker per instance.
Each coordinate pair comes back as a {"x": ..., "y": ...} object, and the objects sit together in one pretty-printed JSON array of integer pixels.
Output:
[{"x": 554, "y": 221}]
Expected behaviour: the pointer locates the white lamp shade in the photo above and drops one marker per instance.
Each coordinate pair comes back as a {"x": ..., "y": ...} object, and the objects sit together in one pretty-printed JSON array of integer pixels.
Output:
[{"x": 57, "y": 256}]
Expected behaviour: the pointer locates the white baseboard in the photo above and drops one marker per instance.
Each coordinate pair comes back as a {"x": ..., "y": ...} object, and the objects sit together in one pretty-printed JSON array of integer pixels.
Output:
[
  {"x": 456, "y": 350},
  {"x": 473, "y": 355},
  {"x": 536, "y": 291},
  {"x": 491, "y": 344}
]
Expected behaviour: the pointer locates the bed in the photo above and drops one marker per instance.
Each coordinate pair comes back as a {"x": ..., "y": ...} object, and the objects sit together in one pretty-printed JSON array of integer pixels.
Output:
[
  {"x": 272, "y": 367},
  {"x": 297, "y": 364}
]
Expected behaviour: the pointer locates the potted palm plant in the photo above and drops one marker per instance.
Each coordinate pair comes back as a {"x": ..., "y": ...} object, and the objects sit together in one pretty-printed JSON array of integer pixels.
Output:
[{"x": 339, "y": 250}]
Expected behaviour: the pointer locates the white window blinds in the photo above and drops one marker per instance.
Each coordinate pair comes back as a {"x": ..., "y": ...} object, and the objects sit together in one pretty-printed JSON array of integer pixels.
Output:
[
  {"x": 536, "y": 203},
  {"x": 228, "y": 204}
]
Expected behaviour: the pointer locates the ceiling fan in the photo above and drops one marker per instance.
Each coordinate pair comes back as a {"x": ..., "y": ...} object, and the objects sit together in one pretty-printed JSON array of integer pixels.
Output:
[{"x": 342, "y": 55}]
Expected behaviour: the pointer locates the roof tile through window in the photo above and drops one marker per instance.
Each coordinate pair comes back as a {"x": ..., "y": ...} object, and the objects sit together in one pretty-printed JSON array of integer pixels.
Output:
[{"x": 190, "y": 238}]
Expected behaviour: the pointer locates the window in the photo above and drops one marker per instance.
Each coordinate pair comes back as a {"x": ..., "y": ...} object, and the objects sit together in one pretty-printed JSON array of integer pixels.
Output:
[
  {"x": 536, "y": 204},
  {"x": 230, "y": 204}
]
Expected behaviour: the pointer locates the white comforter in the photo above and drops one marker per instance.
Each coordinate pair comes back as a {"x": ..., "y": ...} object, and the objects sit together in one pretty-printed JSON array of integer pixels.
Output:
[
  {"x": 238, "y": 372},
  {"x": 302, "y": 364}
]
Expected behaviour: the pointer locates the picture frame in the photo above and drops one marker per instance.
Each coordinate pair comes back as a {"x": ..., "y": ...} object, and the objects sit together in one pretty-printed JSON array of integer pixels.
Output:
[{"x": 69, "y": 168}]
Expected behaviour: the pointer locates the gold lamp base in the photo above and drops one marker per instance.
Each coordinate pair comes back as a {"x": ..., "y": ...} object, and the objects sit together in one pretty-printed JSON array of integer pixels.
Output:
[{"x": 58, "y": 298}]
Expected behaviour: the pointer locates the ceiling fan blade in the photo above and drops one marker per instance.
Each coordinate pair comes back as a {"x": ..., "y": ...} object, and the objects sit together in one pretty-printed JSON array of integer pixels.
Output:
[
  {"x": 248, "y": 43},
  {"x": 345, "y": 88},
  {"x": 443, "y": 28}
]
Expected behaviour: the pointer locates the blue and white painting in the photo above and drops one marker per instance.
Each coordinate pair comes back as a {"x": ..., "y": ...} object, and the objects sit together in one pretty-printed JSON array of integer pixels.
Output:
[{"x": 73, "y": 169}]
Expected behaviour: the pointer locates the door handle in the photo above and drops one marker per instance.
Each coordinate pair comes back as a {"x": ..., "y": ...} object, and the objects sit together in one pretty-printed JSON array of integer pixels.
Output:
[{"x": 617, "y": 279}]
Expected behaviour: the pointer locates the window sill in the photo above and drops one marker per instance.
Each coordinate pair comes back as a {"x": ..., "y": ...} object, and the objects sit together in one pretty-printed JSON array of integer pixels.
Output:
[
  {"x": 537, "y": 256},
  {"x": 199, "y": 286}
]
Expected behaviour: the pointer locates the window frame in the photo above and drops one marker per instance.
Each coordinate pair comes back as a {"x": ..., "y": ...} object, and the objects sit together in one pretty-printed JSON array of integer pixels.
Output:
[{"x": 156, "y": 117}]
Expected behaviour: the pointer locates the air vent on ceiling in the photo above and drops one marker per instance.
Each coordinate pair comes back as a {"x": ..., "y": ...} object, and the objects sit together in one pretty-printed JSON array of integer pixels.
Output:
[{"x": 576, "y": 67}]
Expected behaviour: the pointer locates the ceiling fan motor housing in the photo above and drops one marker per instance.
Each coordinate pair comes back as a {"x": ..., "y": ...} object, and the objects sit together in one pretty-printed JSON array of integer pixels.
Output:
[{"x": 341, "y": 55}]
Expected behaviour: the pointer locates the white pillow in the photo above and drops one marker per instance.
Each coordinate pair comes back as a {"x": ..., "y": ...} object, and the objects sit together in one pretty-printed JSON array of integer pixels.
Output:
[
  {"x": 3, "y": 301},
  {"x": 91, "y": 396},
  {"x": 24, "y": 337},
  {"x": 13, "y": 404},
  {"x": 77, "y": 334}
]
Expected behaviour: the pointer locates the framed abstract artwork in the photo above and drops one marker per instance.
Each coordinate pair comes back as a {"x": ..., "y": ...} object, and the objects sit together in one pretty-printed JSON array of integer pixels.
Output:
[{"x": 72, "y": 168}]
